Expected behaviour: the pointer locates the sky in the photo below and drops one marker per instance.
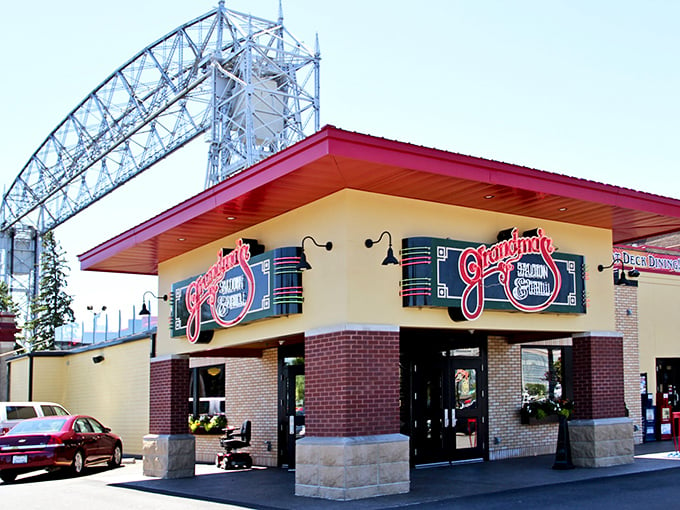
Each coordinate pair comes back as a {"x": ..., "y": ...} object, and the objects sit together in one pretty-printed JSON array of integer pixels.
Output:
[{"x": 581, "y": 88}]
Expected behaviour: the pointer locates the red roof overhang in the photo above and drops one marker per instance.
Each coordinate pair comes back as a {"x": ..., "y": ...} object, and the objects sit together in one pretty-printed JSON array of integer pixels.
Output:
[{"x": 333, "y": 159}]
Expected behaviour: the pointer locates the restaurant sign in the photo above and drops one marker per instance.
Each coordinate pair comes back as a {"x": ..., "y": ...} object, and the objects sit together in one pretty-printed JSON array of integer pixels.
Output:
[
  {"x": 647, "y": 259},
  {"x": 519, "y": 272},
  {"x": 242, "y": 285}
]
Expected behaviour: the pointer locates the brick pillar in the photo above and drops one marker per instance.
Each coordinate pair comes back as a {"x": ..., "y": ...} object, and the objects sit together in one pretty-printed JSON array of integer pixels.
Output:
[
  {"x": 169, "y": 449},
  {"x": 601, "y": 434},
  {"x": 353, "y": 448},
  {"x": 626, "y": 303},
  {"x": 598, "y": 376},
  {"x": 352, "y": 383},
  {"x": 8, "y": 331}
]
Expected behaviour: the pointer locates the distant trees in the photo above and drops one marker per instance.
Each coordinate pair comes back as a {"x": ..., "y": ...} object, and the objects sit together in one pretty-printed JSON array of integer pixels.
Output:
[
  {"x": 7, "y": 304},
  {"x": 51, "y": 308}
]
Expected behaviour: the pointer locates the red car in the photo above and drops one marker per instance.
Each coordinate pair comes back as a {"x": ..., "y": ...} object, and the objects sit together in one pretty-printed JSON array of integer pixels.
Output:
[{"x": 57, "y": 442}]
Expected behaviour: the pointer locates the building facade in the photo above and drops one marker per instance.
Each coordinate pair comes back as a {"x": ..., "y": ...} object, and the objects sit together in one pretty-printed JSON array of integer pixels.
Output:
[{"x": 371, "y": 306}]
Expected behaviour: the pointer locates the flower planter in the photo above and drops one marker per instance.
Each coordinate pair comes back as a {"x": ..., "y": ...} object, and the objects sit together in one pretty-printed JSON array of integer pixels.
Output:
[{"x": 532, "y": 420}]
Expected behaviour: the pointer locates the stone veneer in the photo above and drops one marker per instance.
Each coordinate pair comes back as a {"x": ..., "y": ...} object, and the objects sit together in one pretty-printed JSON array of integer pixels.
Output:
[
  {"x": 168, "y": 455},
  {"x": 601, "y": 442},
  {"x": 347, "y": 468}
]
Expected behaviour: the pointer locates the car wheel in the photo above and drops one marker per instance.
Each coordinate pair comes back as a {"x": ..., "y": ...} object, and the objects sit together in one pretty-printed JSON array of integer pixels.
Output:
[
  {"x": 116, "y": 457},
  {"x": 78, "y": 464},
  {"x": 8, "y": 476}
]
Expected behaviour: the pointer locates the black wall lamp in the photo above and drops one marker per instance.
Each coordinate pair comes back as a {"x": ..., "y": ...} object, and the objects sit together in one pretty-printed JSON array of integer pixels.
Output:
[
  {"x": 97, "y": 359},
  {"x": 145, "y": 310},
  {"x": 303, "y": 265},
  {"x": 620, "y": 278},
  {"x": 389, "y": 258}
]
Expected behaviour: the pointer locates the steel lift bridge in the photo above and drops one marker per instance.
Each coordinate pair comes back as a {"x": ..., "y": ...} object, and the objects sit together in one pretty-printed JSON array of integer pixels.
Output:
[{"x": 244, "y": 82}]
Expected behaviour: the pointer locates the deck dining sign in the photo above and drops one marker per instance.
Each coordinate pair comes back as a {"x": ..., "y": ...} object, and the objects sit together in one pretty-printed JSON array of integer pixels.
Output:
[
  {"x": 243, "y": 284},
  {"x": 522, "y": 272}
]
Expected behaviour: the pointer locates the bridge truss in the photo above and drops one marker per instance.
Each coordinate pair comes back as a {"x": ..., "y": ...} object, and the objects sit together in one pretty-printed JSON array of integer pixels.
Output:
[{"x": 244, "y": 82}]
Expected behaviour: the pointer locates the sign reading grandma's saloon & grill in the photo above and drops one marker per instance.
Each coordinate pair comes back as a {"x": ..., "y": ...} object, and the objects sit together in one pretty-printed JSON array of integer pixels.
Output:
[
  {"x": 241, "y": 286},
  {"x": 524, "y": 273}
]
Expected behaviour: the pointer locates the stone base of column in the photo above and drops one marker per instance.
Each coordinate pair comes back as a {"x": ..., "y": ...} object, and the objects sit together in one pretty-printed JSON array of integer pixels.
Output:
[
  {"x": 347, "y": 468},
  {"x": 602, "y": 442},
  {"x": 169, "y": 455}
]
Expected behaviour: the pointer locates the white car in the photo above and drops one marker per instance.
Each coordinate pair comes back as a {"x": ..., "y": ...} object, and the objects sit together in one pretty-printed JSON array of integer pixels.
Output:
[{"x": 12, "y": 413}]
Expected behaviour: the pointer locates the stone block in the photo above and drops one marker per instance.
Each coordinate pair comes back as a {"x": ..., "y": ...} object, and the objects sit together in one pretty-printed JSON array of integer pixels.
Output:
[
  {"x": 331, "y": 476},
  {"x": 393, "y": 472},
  {"x": 168, "y": 456},
  {"x": 394, "y": 488},
  {"x": 352, "y": 468},
  {"x": 306, "y": 474},
  {"x": 309, "y": 491},
  {"x": 361, "y": 475}
]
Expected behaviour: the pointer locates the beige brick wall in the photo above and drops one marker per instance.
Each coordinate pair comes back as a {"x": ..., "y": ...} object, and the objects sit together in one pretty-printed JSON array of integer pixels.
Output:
[
  {"x": 252, "y": 394},
  {"x": 626, "y": 299},
  {"x": 507, "y": 436},
  {"x": 207, "y": 447}
]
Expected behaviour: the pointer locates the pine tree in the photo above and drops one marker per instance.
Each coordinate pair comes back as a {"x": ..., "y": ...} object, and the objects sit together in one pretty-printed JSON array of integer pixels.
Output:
[
  {"x": 52, "y": 307},
  {"x": 7, "y": 304}
]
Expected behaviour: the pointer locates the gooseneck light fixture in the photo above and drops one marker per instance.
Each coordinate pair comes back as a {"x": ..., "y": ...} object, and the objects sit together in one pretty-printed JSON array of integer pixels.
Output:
[
  {"x": 145, "y": 309},
  {"x": 621, "y": 279},
  {"x": 303, "y": 265},
  {"x": 389, "y": 258}
]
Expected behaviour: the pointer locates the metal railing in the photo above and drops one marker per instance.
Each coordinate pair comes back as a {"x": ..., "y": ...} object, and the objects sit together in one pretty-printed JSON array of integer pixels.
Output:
[{"x": 102, "y": 328}]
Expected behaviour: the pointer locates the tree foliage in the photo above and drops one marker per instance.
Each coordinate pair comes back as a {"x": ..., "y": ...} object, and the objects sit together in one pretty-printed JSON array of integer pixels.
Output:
[
  {"x": 52, "y": 306},
  {"x": 7, "y": 304}
]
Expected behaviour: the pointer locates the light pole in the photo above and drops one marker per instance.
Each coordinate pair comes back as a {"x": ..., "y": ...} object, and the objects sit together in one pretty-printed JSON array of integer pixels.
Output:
[{"x": 94, "y": 320}]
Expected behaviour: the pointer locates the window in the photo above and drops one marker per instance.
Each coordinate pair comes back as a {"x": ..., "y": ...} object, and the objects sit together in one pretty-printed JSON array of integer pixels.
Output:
[
  {"x": 207, "y": 390},
  {"x": 21, "y": 412},
  {"x": 49, "y": 410},
  {"x": 96, "y": 426},
  {"x": 546, "y": 373},
  {"x": 82, "y": 426}
]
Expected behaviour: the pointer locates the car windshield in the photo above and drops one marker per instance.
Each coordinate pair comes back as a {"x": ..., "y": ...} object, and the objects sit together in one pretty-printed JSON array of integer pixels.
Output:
[{"x": 37, "y": 426}]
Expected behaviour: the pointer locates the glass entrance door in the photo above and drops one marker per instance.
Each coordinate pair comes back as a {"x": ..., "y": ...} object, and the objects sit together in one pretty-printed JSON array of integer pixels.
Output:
[
  {"x": 446, "y": 392},
  {"x": 291, "y": 408}
]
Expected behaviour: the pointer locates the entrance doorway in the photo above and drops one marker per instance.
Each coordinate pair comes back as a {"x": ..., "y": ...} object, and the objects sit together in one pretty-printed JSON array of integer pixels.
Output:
[
  {"x": 291, "y": 403},
  {"x": 668, "y": 380},
  {"x": 444, "y": 396}
]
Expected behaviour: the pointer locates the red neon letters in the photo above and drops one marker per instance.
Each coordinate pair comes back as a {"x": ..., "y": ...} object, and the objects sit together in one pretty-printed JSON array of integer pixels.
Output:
[
  {"x": 207, "y": 286},
  {"x": 475, "y": 264}
]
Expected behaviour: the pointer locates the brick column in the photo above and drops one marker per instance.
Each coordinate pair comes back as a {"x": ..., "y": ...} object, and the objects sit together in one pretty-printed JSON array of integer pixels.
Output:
[
  {"x": 601, "y": 434},
  {"x": 353, "y": 448},
  {"x": 626, "y": 303},
  {"x": 8, "y": 331},
  {"x": 169, "y": 449}
]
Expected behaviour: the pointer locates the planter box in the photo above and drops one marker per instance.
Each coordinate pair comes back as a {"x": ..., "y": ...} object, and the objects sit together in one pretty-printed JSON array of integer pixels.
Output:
[{"x": 531, "y": 420}]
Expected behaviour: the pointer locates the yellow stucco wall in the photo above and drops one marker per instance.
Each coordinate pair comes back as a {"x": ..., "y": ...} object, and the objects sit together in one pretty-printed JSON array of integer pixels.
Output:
[
  {"x": 115, "y": 391},
  {"x": 18, "y": 387},
  {"x": 349, "y": 286},
  {"x": 659, "y": 323},
  {"x": 49, "y": 380}
]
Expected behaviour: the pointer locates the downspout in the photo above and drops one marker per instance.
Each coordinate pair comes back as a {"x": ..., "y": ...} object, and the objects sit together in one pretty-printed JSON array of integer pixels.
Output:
[{"x": 30, "y": 376}]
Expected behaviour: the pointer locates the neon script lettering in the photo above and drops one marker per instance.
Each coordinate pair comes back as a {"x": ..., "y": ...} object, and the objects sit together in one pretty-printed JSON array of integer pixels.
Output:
[
  {"x": 475, "y": 264},
  {"x": 206, "y": 287}
]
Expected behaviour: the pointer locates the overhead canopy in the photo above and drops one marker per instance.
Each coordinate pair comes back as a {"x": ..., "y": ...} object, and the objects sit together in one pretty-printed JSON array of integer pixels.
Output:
[{"x": 332, "y": 160}]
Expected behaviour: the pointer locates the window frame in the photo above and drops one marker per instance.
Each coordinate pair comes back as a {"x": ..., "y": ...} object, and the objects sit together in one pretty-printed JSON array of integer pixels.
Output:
[{"x": 565, "y": 378}]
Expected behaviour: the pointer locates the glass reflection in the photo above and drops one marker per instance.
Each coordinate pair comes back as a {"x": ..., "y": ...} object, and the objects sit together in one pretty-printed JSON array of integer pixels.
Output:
[{"x": 465, "y": 384}]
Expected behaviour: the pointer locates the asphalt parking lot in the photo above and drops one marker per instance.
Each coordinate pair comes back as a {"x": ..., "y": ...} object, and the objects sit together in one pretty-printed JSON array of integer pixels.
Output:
[{"x": 273, "y": 488}]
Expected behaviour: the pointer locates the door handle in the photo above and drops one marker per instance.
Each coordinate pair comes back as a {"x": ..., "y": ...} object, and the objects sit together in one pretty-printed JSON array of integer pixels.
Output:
[
  {"x": 453, "y": 418},
  {"x": 446, "y": 418},
  {"x": 291, "y": 425}
]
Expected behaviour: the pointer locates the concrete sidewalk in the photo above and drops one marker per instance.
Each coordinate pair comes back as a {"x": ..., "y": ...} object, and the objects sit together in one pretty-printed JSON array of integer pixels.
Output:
[{"x": 273, "y": 488}]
